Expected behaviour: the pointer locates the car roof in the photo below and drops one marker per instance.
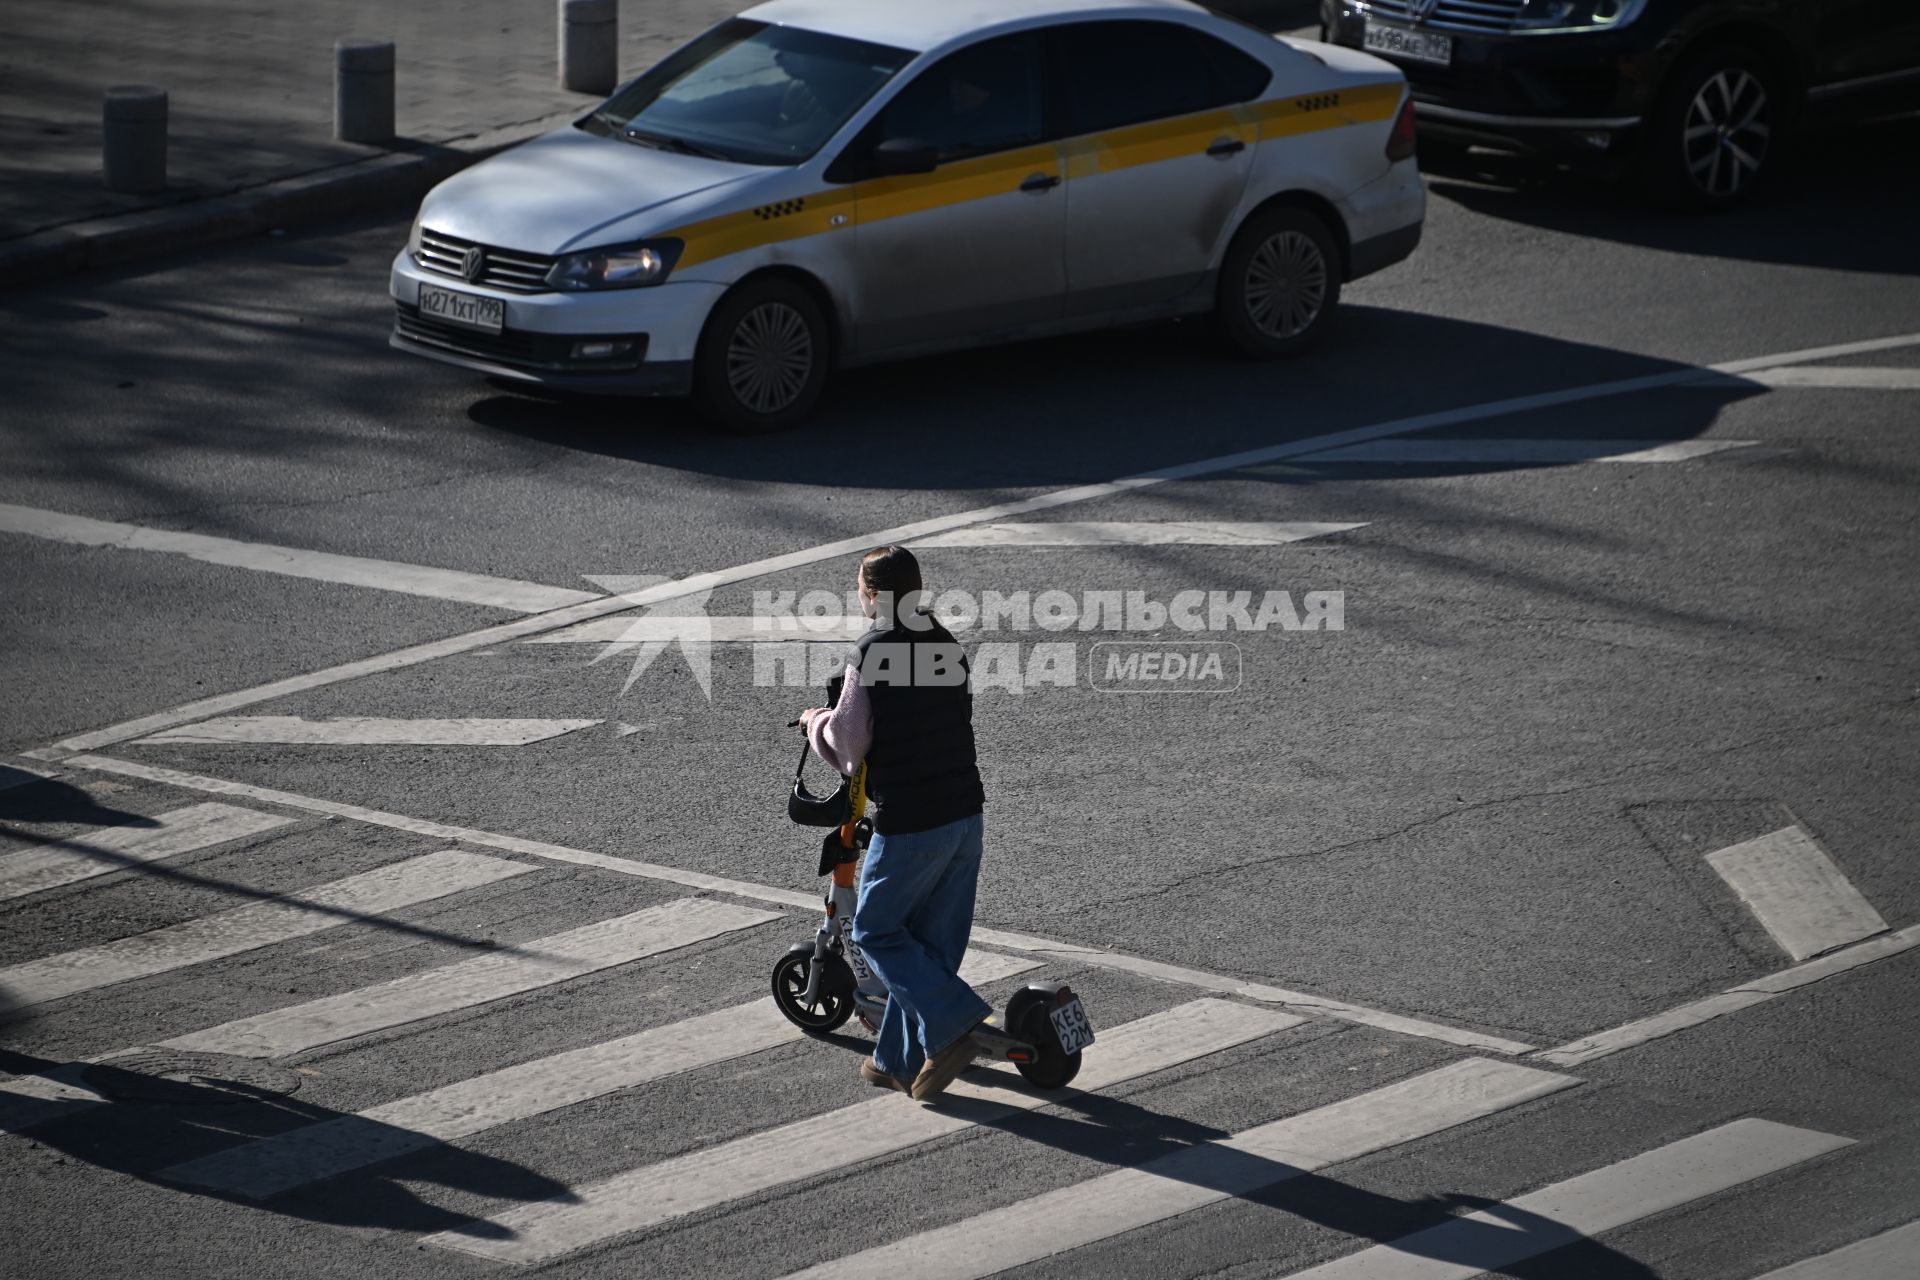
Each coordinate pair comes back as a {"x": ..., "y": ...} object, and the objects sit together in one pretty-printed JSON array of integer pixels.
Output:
[{"x": 920, "y": 25}]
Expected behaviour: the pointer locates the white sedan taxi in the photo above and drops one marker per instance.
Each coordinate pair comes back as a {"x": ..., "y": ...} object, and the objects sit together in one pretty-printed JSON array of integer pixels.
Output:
[{"x": 818, "y": 184}]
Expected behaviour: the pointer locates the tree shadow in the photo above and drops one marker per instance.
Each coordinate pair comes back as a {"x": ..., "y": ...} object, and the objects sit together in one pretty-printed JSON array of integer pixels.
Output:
[
  {"x": 1846, "y": 201},
  {"x": 143, "y": 1139}
]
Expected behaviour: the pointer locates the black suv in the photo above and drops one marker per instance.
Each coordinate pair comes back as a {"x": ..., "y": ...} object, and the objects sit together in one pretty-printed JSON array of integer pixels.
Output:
[{"x": 1696, "y": 95}]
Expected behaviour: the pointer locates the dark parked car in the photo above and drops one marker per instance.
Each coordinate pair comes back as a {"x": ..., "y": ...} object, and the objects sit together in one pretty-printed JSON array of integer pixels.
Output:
[{"x": 1696, "y": 96}]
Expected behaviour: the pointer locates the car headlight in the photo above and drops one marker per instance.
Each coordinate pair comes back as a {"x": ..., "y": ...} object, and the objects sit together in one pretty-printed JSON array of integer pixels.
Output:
[
  {"x": 1576, "y": 15},
  {"x": 413, "y": 239},
  {"x": 626, "y": 266}
]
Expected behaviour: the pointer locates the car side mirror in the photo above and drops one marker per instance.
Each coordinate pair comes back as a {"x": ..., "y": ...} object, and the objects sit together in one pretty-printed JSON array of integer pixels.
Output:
[{"x": 898, "y": 156}]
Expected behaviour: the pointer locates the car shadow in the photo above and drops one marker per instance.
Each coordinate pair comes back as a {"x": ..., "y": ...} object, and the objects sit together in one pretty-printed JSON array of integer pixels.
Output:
[
  {"x": 1847, "y": 200},
  {"x": 1088, "y": 407}
]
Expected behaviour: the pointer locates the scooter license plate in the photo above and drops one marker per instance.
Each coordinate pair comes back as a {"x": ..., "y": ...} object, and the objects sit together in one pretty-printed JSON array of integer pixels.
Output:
[{"x": 1071, "y": 1025}]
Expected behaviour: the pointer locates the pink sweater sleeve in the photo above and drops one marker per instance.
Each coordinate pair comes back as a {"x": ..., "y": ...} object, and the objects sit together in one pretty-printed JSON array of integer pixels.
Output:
[{"x": 842, "y": 737}]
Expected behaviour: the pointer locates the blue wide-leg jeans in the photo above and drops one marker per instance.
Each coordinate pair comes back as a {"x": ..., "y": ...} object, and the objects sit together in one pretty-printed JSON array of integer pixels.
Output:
[{"x": 912, "y": 923}]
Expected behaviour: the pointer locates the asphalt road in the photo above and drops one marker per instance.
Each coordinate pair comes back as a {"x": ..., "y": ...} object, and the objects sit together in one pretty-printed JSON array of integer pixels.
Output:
[{"x": 1485, "y": 804}]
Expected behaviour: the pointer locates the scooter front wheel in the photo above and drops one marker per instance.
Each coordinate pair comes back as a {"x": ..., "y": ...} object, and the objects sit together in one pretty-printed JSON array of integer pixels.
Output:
[{"x": 831, "y": 1007}]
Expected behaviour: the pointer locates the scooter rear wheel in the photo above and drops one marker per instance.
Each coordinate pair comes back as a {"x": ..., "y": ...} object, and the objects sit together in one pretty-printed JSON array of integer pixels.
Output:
[
  {"x": 1027, "y": 1018},
  {"x": 830, "y": 1008}
]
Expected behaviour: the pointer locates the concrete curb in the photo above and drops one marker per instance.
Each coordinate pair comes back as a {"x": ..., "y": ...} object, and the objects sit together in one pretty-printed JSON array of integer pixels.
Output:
[{"x": 373, "y": 185}]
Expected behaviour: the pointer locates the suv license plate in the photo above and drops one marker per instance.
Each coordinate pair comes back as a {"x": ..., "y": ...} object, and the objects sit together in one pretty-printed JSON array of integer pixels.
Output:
[
  {"x": 1071, "y": 1025},
  {"x": 468, "y": 310},
  {"x": 1414, "y": 46}
]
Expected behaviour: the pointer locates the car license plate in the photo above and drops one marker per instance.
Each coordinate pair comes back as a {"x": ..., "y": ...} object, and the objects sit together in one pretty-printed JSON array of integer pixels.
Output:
[
  {"x": 468, "y": 310},
  {"x": 1071, "y": 1025},
  {"x": 1414, "y": 46}
]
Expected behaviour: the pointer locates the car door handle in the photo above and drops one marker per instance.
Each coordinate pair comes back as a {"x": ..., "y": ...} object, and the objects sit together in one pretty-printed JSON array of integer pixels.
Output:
[
  {"x": 1226, "y": 147},
  {"x": 1041, "y": 182}
]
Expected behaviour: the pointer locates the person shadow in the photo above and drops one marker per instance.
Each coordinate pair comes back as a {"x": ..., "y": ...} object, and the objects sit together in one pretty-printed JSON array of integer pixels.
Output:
[
  {"x": 155, "y": 1123},
  {"x": 1499, "y": 1239}
]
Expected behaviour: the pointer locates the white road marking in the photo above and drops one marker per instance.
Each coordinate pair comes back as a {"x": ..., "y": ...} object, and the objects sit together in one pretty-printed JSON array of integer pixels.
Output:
[
  {"x": 1891, "y": 1255},
  {"x": 1135, "y": 533},
  {"x": 1445, "y": 452},
  {"x": 355, "y": 571},
  {"x": 99, "y": 853},
  {"x": 364, "y": 731},
  {"x": 1860, "y": 377},
  {"x": 707, "y": 582},
  {"x": 476, "y": 981},
  {"x": 259, "y": 924},
  {"x": 729, "y": 630},
  {"x": 1188, "y": 1179},
  {"x": 836, "y": 1140},
  {"x": 280, "y": 1163},
  {"x": 810, "y": 902},
  {"x": 1802, "y": 899},
  {"x": 1664, "y": 1178},
  {"x": 32, "y": 1099},
  {"x": 1732, "y": 1000}
]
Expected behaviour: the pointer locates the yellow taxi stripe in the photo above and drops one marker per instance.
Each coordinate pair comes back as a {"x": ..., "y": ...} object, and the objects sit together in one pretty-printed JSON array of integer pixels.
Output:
[{"x": 1108, "y": 152}]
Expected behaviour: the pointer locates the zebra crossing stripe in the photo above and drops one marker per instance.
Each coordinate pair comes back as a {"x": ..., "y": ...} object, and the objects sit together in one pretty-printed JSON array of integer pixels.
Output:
[
  {"x": 99, "y": 853},
  {"x": 1891, "y": 1255},
  {"x": 1802, "y": 899},
  {"x": 1664, "y": 1178},
  {"x": 476, "y": 981},
  {"x": 259, "y": 924},
  {"x": 839, "y": 1139},
  {"x": 1041, "y": 1226},
  {"x": 280, "y": 1163},
  {"x": 29, "y": 1100}
]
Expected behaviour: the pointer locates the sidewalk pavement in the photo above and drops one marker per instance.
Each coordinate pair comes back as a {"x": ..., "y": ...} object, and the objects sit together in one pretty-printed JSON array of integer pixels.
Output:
[{"x": 250, "y": 85}]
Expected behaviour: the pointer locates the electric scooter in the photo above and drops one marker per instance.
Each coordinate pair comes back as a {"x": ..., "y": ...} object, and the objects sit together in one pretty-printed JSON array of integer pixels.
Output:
[{"x": 818, "y": 985}]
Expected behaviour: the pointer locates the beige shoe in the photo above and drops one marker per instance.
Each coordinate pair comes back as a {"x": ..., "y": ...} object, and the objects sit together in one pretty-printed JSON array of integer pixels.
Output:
[
  {"x": 873, "y": 1075},
  {"x": 943, "y": 1068}
]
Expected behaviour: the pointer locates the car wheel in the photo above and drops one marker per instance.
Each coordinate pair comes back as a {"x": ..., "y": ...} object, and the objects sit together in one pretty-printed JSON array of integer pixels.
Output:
[
  {"x": 1717, "y": 132},
  {"x": 763, "y": 358},
  {"x": 1279, "y": 283}
]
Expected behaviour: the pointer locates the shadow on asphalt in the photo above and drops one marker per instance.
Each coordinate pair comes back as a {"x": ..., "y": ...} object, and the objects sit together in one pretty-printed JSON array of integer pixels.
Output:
[
  {"x": 1093, "y": 406},
  {"x": 1126, "y": 1135},
  {"x": 27, "y": 797},
  {"x": 140, "y": 1139},
  {"x": 1848, "y": 201}
]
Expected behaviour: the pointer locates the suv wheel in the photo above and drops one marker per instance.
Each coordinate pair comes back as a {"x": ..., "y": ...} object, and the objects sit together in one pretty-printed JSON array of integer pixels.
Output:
[
  {"x": 763, "y": 358},
  {"x": 1716, "y": 134},
  {"x": 1279, "y": 283}
]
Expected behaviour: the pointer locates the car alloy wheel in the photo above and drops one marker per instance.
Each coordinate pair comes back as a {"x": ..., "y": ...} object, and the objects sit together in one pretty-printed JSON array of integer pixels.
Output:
[
  {"x": 1727, "y": 132},
  {"x": 1286, "y": 284},
  {"x": 770, "y": 357}
]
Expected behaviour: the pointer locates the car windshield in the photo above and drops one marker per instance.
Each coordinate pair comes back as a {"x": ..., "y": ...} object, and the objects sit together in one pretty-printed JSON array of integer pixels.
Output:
[{"x": 751, "y": 92}]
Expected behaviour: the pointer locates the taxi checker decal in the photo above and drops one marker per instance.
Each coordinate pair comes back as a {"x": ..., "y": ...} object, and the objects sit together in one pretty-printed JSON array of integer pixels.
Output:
[{"x": 998, "y": 174}]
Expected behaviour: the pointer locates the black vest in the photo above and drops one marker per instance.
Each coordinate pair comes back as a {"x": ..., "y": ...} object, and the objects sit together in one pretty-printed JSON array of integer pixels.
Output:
[{"x": 921, "y": 771}]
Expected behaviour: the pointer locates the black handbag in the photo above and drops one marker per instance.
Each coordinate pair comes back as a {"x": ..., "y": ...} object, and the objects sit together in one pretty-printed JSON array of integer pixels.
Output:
[{"x": 810, "y": 810}]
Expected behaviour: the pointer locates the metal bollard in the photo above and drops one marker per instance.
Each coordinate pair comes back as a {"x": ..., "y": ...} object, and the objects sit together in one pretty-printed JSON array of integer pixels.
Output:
[
  {"x": 133, "y": 150},
  {"x": 589, "y": 45},
  {"x": 363, "y": 90}
]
